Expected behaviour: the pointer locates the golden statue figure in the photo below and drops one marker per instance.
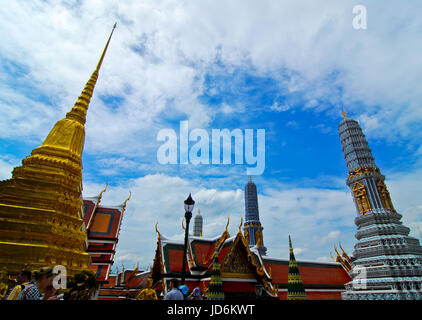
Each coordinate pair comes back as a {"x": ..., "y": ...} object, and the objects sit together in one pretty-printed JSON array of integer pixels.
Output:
[
  {"x": 385, "y": 196},
  {"x": 258, "y": 238},
  {"x": 246, "y": 235},
  {"x": 148, "y": 293},
  {"x": 361, "y": 197}
]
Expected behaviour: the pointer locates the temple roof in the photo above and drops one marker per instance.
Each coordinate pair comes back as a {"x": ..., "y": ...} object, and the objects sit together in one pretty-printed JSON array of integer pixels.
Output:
[
  {"x": 271, "y": 271},
  {"x": 200, "y": 258},
  {"x": 103, "y": 227}
]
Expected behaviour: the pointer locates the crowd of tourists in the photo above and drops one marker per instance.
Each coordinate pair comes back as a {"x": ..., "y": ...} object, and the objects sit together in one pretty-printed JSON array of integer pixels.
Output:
[
  {"x": 36, "y": 285},
  {"x": 177, "y": 292}
]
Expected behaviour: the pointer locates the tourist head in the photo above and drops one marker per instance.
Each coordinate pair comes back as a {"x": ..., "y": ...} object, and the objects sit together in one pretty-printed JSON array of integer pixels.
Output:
[
  {"x": 184, "y": 289},
  {"x": 24, "y": 276},
  {"x": 44, "y": 277},
  {"x": 196, "y": 292},
  {"x": 174, "y": 283}
]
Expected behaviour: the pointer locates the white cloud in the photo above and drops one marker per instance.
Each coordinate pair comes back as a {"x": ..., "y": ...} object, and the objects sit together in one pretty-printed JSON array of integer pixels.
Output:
[
  {"x": 177, "y": 44},
  {"x": 331, "y": 236},
  {"x": 278, "y": 108},
  {"x": 308, "y": 215}
]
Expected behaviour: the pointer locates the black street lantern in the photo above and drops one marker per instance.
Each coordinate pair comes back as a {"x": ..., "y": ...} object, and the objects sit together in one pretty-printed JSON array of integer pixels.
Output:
[{"x": 189, "y": 203}]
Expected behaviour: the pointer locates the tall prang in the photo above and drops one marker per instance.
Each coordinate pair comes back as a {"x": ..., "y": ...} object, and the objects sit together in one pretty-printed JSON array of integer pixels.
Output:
[
  {"x": 388, "y": 262},
  {"x": 252, "y": 227},
  {"x": 197, "y": 225},
  {"x": 41, "y": 214}
]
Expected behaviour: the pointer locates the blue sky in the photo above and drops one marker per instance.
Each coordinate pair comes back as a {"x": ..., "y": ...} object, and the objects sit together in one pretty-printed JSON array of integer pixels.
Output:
[{"x": 283, "y": 66}]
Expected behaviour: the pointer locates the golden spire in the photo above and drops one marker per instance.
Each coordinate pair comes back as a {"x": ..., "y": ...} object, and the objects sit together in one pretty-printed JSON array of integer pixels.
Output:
[
  {"x": 78, "y": 111},
  {"x": 42, "y": 202},
  {"x": 69, "y": 133},
  {"x": 344, "y": 114},
  {"x": 250, "y": 178}
]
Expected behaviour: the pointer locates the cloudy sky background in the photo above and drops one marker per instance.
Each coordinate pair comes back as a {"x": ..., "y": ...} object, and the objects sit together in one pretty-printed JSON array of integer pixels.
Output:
[{"x": 288, "y": 67}]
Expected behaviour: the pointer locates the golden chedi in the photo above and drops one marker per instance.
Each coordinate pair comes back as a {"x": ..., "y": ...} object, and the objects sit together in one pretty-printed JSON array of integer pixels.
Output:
[{"x": 41, "y": 205}]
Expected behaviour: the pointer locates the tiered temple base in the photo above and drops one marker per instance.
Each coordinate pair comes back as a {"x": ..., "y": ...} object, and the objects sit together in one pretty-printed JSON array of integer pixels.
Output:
[{"x": 388, "y": 263}]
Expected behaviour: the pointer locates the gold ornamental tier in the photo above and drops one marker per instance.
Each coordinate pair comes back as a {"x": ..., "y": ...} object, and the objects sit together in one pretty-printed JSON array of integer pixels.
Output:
[{"x": 41, "y": 205}]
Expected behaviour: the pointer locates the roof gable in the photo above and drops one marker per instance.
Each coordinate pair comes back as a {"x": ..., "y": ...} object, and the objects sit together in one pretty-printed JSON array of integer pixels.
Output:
[{"x": 239, "y": 261}]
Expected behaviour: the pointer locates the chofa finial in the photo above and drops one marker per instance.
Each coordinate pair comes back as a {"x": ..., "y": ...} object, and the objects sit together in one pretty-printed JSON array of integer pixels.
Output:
[{"x": 241, "y": 223}]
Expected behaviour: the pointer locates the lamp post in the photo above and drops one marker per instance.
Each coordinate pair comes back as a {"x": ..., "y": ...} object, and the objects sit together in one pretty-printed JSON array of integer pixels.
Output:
[{"x": 189, "y": 203}]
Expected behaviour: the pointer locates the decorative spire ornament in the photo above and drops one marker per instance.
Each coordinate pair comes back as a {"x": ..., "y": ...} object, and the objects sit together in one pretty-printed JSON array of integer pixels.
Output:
[
  {"x": 215, "y": 287},
  {"x": 295, "y": 288}
]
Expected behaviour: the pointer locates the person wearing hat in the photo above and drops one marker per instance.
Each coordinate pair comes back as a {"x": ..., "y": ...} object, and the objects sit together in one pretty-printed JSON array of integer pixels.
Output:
[
  {"x": 184, "y": 289},
  {"x": 196, "y": 294},
  {"x": 42, "y": 282}
]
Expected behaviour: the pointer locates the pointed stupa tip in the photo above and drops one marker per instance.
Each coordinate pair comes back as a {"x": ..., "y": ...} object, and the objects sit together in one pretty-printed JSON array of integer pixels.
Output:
[
  {"x": 344, "y": 114},
  {"x": 105, "y": 48},
  {"x": 290, "y": 244},
  {"x": 80, "y": 108}
]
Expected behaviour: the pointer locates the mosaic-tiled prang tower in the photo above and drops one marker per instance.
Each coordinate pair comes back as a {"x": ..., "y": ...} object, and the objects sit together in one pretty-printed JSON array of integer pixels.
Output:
[
  {"x": 388, "y": 262},
  {"x": 252, "y": 227}
]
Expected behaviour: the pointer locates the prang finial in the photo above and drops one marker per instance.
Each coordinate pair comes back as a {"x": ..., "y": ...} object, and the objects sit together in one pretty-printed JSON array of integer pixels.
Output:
[{"x": 344, "y": 114}]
